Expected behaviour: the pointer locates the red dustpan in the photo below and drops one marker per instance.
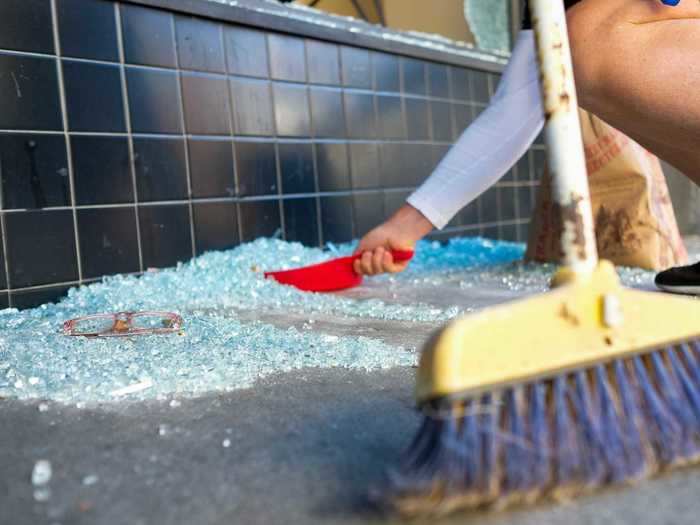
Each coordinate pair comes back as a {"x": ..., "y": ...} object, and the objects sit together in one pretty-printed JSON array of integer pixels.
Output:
[{"x": 329, "y": 276}]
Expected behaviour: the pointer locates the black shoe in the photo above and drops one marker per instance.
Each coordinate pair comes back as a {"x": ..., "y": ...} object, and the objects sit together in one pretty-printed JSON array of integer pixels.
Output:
[{"x": 684, "y": 279}]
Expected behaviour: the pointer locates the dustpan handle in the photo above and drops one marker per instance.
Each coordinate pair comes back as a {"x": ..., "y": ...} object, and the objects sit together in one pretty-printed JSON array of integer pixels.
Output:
[{"x": 565, "y": 156}]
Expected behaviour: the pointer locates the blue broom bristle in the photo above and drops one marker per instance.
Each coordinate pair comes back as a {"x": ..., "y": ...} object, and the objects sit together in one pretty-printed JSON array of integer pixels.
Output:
[{"x": 610, "y": 424}]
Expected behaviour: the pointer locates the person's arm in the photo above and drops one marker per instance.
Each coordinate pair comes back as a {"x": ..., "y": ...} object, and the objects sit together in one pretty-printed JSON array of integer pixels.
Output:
[{"x": 483, "y": 154}]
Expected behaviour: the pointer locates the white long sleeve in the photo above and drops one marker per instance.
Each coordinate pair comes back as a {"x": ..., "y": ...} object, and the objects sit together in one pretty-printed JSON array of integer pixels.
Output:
[{"x": 492, "y": 144}]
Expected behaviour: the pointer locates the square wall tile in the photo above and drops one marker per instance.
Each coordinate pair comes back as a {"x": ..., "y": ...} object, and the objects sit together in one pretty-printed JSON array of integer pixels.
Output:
[
  {"x": 463, "y": 118},
  {"x": 461, "y": 88},
  {"x": 336, "y": 219},
  {"x": 442, "y": 121},
  {"x": 364, "y": 165},
  {"x": 393, "y": 200},
  {"x": 259, "y": 219},
  {"x": 25, "y": 25},
  {"x": 297, "y": 168},
  {"x": 154, "y": 101},
  {"x": 324, "y": 66},
  {"x": 148, "y": 36},
  {"x": 438, "y": 81},
  {"x": 87, "y": 29},
  {"x": 108, "y": 241},
  {"x": 417, "y": 163},
  {"x": 480, "y": 86},
  {"x": 93, "y": 97},
  {"x": 256, "y": 167},
  {"x": 102, "y": 170},
  {"x": 161, "y": 170},
  {"x": 508, "y": 232},
  {"x": 24, "y": 299},
  {"x": 206, "y": 105},
  {"x": 387, "y": 73},
  {"x": 287, "y": 58},
  {"x": 211, "y": 168},
  {"x": 417, "y": 123},
  {"x": 522, "y": 168},
  {"x": 199, "y": 44},
  {"x": 292, "y": 110},
  {"x": 165, "y": 235},
  {"x": 215, "y": 226},
  {"x": 414, "y": 76},
  {"x": 469, "y": 215},
  {"x": 3, "y": 277},
  {"x": 252, "y": 107},
  {"x": 246, "y": 51},
  {"x": 507, "y": 197},
  {"x": 4, "y": 300},
  {"x": 29, "y": 93},
  {"x": 526, "y": 199},
  {"x": 41, "y": 247},
  {"x": 539, "y": 164},
  {"x": 356, "y": 69},
  {"x": 390, "y": 117},
  {"x": 391, "y": 165},
  {"x": 489, "y": 208},
  {"x": 368, "y": 212},
  {"x": 332, "y": 166},
  {"x": 301, "y": 221},
  {"x": 34, "y": 171},
  {"x": 327, "y": 112},
  {"x": 361, "y": 118}
]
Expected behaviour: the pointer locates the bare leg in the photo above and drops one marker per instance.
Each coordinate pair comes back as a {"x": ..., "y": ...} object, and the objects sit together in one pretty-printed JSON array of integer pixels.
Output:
[{"x": 637, "y": 65}]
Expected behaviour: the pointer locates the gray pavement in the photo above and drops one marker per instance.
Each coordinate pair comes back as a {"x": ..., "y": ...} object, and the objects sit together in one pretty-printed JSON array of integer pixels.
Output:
[{"x": 299, "y": 448}]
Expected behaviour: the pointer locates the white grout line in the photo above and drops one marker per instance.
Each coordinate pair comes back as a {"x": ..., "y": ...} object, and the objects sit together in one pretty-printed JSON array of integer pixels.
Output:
[
  {"x": 69, "y": 155},
  {"x": 130, "y": 138}
]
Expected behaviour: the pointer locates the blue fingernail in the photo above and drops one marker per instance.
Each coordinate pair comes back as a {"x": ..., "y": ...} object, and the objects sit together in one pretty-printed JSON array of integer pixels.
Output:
[{"x": 671, "y": 2}]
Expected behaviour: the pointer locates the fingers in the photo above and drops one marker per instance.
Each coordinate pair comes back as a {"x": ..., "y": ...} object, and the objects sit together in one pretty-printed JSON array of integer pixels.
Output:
[{"x": 377, "y": 261}]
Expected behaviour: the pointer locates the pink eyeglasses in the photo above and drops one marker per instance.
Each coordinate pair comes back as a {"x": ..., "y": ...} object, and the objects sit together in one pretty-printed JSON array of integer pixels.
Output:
[{"x": 122, "y": 324}]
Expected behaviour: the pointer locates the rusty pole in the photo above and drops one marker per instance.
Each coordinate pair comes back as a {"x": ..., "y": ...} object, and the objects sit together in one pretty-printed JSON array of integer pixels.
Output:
[{"x": 565, "y": 156}]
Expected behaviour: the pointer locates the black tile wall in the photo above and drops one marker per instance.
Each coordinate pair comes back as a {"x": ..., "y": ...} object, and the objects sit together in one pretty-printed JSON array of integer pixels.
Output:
[
  {"x": 292, "y": 110},
  {"x": 256, "y": 167},
  {"x": 148, "y": 36},
  {"x": 165, "y": 235},
  {"x": 301, "y": 221},
  {"x": 361, "y": 117},
  {"x": 327, "y": 112},
  {"x": 29, "y": 96},
  {"x": 87, "y": 29},
  {"x": 34, "y": 171},
  {"x": 206, "y": 102},
  {"x": 332, "y": 166},
  {"x": 25, "y": 25},
  {"x": 387, "y": 73},
  {"x": 211, "y": 168},
  {"x": 108, "y": 241},
  {"x": 259, "y": 219},
  {"x": 185, "y": 134},
  {"x": 161, "y": 169},
  {"x": 199, "y": 45},
  {"x": 252, "y": 107},
  {"x": 364, "y": 165},
  {"x": 41, "y": 248},
  {"x": 154, "y": 103},
  {"x": 101, "y": 170},
  {"x": 287, "y": 58},
  {"x": 356, "y": 67},
  {"x": 246, "y": 52},
  {"x": 336, "y": 219},
  {"x": 215, "y": 226},
  {"x": 297, "y": 168},
  {"x": 93, "y": 97},
  {"x": 322, "y": 59}
]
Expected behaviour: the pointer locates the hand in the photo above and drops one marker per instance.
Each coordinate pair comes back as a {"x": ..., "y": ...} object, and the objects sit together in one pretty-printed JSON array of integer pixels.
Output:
[{"x": 401, "y": 232}]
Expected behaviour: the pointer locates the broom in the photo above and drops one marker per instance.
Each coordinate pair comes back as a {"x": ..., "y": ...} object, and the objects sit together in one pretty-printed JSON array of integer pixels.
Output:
[{"x": 586, "y": 386}]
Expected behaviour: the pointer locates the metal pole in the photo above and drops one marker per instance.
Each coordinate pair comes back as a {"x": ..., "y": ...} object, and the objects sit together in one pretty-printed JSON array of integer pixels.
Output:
[{"x": 565, "y": 156}]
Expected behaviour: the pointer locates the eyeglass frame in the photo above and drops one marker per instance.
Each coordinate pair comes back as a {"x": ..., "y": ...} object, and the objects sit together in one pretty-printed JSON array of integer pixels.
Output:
[{"x": 115, "y": 330}]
